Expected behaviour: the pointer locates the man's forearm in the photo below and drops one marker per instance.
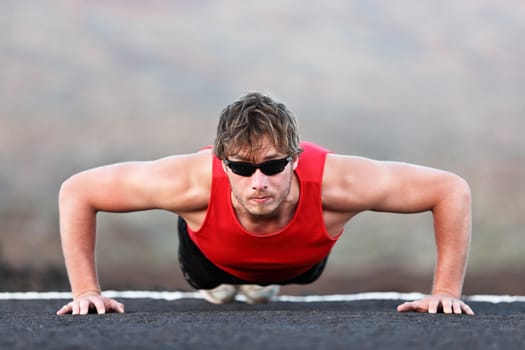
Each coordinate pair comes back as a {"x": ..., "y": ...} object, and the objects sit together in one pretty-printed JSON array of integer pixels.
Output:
[
  {"x": 450, "y": 273},
  {"x": 77, "y": 231},
  {"x": 452, "y": 224}
]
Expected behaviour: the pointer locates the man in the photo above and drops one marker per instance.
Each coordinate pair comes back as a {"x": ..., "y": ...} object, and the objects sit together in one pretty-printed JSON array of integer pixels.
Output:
[{"x": 261, "y": 210}]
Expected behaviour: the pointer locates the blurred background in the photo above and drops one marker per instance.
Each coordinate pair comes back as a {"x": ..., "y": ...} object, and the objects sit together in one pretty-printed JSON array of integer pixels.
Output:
[{"x": 87, "y": 83}]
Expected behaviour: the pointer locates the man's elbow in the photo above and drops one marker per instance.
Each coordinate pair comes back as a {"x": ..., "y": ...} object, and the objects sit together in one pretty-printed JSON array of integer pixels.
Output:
[
  {"x": 69, "y": 191},
  {"x": 459, "y": 189},
  {"x": 463, "y": 189}
]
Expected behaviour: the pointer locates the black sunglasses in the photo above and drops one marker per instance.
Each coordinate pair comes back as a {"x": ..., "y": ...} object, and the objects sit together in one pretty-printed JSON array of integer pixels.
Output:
[{"x": 269, "y": 168}]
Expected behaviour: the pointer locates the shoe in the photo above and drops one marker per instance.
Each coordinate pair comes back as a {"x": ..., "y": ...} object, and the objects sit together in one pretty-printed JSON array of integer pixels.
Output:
[
  {"x": 256, "y": 294},
  {"x": 223, "y": 294}
]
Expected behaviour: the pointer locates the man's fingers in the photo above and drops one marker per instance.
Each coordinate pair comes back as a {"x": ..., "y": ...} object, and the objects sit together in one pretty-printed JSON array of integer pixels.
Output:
[
  {"x": 84, "y": 306},
  {"x": 467, "y": 309},
  {"x": 410, "y": 306},
  {"x": 64, "y": 310},
  {"x": 404, "y": 307},
  {"x": 456, "y": 306},
  {"x": 99, "y": 305},
  {"x": 433, "y": 306},
  {"x": 75, "y": 308},
  {"x": 446, "y": 304},
  {"x": 118, "y": 307}
]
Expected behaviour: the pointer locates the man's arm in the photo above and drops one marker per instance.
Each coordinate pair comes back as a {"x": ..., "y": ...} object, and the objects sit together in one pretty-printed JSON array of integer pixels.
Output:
[
  {"x": 452, "y": 227},
  {"x": 364, "y": 184},
  {"x": 179, "y": 184}
]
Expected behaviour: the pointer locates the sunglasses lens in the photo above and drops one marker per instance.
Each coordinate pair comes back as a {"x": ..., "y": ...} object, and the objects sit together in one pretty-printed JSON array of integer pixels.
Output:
[
  {"x": 273, "y": 166},
  {"x": 243, "y": 169},
  {"x": 269, "y": 168}
]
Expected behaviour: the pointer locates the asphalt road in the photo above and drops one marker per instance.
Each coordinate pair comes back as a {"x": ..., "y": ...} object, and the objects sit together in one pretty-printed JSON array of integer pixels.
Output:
[{"x": 196, "y": 324}]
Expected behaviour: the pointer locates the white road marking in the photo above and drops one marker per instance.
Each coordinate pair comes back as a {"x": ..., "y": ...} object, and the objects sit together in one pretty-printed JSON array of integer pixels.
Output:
[{"x": 165, "y": 295}]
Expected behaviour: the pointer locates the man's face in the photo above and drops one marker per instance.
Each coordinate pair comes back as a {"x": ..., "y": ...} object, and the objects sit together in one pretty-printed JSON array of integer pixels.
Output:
[{"x": 260, "y": 195}]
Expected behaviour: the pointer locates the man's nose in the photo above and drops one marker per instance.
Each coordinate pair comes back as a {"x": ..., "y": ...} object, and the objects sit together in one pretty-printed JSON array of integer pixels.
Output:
[{"x": 259, "y": 180}]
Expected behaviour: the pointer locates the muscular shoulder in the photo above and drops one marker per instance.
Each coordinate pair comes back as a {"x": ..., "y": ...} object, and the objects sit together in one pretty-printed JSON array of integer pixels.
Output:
[
  {"x": 354, "y": 184},
  {"x": 185, "y": 180},
  {"x": 347, "y": 182},
  {"x": 177, "y": 183}
]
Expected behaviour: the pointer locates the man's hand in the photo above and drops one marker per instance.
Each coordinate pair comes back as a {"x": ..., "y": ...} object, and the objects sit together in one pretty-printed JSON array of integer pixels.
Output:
[
  {"x": 432, "y": 303},
  {"x": 94, "y": 302}
]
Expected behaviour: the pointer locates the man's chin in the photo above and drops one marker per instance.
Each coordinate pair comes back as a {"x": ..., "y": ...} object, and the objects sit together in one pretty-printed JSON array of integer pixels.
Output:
[{"x": 261, "y": 212}]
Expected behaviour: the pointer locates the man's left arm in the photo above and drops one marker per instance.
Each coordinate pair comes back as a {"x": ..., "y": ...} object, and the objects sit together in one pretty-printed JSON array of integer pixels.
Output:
[
  {"x": 355, "y": 184},
  {"x": 452, "y": 227},
  {"x": 448, "y": 197}
]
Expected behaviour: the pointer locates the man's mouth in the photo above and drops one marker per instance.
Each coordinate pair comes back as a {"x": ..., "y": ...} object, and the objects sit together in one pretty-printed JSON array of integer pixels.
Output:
[{"x": 261, "y": 199}]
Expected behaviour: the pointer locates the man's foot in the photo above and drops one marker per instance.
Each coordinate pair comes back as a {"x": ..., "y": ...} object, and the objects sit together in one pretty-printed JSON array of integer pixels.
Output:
[
  {"x": 256, "y": 294},
  {"x": 223, "y": 294}
]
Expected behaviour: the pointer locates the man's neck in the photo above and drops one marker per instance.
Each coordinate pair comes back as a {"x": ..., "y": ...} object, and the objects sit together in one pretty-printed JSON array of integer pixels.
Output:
[{"x": 273, "y": 222}]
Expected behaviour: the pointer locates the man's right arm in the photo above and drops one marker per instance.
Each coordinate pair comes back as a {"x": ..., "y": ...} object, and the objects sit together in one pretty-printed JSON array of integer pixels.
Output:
[
  {"x": 176, "y": 183},
  {"x": 77, "y": 231}
]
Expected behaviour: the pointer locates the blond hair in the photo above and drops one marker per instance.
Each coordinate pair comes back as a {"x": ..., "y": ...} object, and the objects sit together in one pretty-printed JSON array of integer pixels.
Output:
[{"x": 246, "y": 122}]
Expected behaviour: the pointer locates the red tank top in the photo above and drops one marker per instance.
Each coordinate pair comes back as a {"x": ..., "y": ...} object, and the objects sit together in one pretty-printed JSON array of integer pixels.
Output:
[{"x": 276, "y": 257}]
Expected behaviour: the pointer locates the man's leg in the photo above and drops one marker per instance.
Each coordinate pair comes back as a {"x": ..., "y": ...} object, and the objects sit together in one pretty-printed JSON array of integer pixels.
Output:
[
  {"x": 215, "y": 285},
  {"x": 256, "y": 294}
]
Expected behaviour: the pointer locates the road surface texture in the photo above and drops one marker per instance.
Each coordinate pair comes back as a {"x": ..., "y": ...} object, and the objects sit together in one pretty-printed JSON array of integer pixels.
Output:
[{"x": 192, "y": 323}]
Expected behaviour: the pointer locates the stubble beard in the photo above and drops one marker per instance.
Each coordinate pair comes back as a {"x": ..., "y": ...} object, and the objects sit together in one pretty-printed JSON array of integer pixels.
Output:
[{"x": 263, "y": 211}]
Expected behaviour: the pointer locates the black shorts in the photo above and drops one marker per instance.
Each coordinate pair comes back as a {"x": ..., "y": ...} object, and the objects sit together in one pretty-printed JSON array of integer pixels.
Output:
[{"x": 201, "y": 273}]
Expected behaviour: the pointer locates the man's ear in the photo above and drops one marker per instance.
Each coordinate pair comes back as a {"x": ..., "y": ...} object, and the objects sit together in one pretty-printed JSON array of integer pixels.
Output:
[{"x": 295, "y": 162}]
